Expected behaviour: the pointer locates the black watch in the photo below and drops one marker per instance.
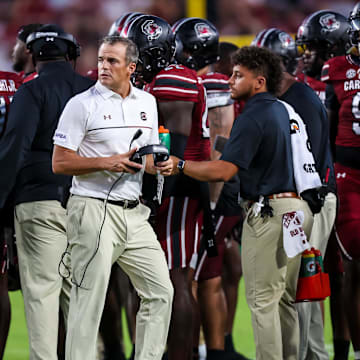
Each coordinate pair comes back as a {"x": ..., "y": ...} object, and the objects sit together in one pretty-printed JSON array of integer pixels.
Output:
[{"x": 181, "y": 165}]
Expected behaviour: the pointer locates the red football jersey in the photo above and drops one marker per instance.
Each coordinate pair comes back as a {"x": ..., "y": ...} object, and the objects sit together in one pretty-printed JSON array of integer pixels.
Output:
[
  {"x": 344, "y": 75},
  {"x": 217, "y": 89},
  {"x": 9, "y": 83},
  {"x": 179, "y": 83},
  {"x": 93, "y": 74},
  {"x": 30, "y": 77},
  {"x": 317, "y": 85}
]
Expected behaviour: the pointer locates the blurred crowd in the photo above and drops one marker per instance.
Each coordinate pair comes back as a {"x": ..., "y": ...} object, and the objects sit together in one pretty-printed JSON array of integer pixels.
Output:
[{"x": 90, "y": 20}]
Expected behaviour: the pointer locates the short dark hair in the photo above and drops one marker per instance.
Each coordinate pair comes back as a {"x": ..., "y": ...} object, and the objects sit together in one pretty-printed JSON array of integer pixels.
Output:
[
  {"x": 261, "y": 61},
  {"x": 226, "y": 49},
  {"x": 26, "y": 30},
  {"x": 132, "y": 52}
]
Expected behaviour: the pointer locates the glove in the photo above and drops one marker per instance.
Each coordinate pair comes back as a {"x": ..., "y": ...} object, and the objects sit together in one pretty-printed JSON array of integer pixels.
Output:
[{"x": 314, "y": 200}]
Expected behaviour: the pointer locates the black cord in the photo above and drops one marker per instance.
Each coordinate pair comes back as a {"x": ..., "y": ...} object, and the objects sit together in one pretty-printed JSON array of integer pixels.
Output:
[
  {"x": 99, "y": 236},
  {"x": 66, "y": 252}
]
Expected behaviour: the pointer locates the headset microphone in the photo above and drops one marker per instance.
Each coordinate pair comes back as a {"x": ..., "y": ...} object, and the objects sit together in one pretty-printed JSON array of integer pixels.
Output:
[{"x": 136, "y": 136}]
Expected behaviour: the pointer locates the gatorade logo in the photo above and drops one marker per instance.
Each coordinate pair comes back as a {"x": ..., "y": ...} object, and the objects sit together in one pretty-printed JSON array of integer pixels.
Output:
[{"x": 310, "y": 266}]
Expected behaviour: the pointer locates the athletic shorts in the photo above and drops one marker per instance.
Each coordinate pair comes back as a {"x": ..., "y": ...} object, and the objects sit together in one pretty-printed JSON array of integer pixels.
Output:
[
  {"x": 178, "y": 227},
  {"x": 211, "y": 267},
  {"x": 348, "y": 219},
  {"x": 333, "y": 262}
]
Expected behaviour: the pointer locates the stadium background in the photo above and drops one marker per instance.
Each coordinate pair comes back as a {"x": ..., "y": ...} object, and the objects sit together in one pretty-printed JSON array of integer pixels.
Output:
[{"x": 237, "y": 20}]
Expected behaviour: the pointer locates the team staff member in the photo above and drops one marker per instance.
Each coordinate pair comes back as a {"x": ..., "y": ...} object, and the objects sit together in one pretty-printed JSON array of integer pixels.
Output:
[
  {"x": 25, "y": 160},
  {"x": 309, "y": 106},
  {"x": 259, "y": 149},
  {"x": 106, "y": 222}
]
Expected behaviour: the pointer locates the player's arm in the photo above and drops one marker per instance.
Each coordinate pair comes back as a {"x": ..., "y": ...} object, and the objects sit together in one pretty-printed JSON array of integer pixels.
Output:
[
  {"x": 16, "y": 142},
  {"x": 177, "y": 117},
  {"x": 221, "y": 119},
  {"x": 332, "y": 107}
]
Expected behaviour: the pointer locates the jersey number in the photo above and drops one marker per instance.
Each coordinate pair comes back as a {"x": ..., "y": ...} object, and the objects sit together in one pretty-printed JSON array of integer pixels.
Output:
[{"x": 356, "y": 113}]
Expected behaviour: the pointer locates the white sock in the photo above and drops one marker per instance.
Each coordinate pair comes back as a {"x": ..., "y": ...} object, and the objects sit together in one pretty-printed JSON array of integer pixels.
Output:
[
  {"x": 357, "y": 355},
  {"x": 202, "y": 352}
]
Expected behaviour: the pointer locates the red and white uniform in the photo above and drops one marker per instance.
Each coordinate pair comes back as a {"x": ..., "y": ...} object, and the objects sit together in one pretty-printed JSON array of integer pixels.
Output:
[
  {"x": 178, "y": 221},
  {"x": 9, "y": 83},
  {"x": 218, "y": 94},
  {"x": 317, "y": 85},
  {"x": 30, "y": 77},
  {"x": 93, "y": 74},
  {"x": 179, "y": 83},
  {"x": 333, "y": 259},
  {"x": 344, "y": 76},
  {"x": 217, "y": 89}
]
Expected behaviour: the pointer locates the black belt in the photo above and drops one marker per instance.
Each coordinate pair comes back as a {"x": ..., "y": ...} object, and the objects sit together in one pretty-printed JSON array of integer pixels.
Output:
[{"x": 126, "y": 204}]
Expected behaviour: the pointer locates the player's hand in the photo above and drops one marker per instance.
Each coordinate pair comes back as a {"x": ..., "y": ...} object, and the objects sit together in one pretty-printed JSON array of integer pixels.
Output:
[{"x": 122, "y": 163}]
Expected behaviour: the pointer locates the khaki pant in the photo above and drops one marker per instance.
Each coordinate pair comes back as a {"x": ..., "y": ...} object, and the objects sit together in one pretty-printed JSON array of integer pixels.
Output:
[
  {"x": 41, "y": 241},
  {"x": 128, "y": 238},
  {"x": 312, "y": 346},
  {"x": 271, "y": 280}
]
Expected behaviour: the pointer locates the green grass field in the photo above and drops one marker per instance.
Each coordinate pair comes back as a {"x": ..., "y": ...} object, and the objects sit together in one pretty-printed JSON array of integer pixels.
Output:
[{"x": 17, "y": 345}]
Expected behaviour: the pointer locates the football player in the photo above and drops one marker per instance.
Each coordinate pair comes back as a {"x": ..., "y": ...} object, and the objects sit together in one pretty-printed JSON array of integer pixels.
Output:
[
  {"x": 321, "y": 36},
  {"x": 182, "y": 109},
  {"x": 10, "y": 82},
  {"x": 21, "y": 56},
  {"x": 229, "y": 200},
  {"x": 197, "y": 47},
  {"x": 341, "y": 75}
]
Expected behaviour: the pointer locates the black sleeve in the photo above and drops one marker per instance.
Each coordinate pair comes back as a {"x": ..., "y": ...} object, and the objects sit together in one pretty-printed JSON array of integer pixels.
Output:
[
  {"x": 244, "y": 141},
  {"x": 24, "y": 115},
  {"x": 331, "y": 100},
  {"x": 333, "y": 106}
]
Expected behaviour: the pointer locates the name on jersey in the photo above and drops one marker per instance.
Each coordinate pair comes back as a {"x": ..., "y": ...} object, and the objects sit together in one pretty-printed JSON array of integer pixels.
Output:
[
  {"x": 7, "y": 85},
  {"x": 351, "y": 85}
]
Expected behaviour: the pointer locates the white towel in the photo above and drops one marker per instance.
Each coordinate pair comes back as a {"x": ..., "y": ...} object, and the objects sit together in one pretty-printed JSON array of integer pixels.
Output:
[
  {"x": 306, "y": 176},
  {"x": 294, "y": 237}
]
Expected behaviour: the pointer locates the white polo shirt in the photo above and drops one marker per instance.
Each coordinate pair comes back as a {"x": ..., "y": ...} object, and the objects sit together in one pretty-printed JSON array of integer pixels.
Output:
[{"x": 99, "y": 123}]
